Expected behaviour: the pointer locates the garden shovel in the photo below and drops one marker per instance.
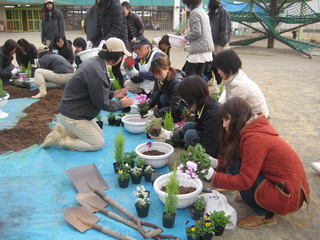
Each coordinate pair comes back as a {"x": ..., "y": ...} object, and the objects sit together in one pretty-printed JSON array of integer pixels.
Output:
[{"x": 82, "y": 219}]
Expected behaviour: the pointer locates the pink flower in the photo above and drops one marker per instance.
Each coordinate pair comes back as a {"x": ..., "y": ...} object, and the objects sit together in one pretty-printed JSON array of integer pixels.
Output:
[
  {"x": 149, "y": 144},
  {"x": 180, "y": 124}
]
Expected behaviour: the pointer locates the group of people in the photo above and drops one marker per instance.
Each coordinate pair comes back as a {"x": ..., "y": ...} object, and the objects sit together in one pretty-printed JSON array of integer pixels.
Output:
[{"x": 245, "y": 150}]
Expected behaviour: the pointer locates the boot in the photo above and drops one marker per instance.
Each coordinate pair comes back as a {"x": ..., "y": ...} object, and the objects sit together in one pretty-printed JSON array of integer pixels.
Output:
[
  {"x": 52, "y": 139},
  {"x": 66, "y": 142},
  {"x": 64, "y": 132},
  {"x": 42, "y": 91}
]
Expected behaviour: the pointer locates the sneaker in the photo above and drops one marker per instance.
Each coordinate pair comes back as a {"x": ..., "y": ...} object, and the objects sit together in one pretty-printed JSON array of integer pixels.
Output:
[
  {"x": 254, "y": 221},
  {"x": 316, "y": 166}
]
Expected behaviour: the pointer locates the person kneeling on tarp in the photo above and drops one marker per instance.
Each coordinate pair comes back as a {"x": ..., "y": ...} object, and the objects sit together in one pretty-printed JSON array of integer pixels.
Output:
[{"x": 88, "y": 92}]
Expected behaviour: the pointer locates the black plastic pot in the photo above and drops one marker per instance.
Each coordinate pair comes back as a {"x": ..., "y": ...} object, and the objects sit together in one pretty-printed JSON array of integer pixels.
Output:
[
  {"x": 123, "y": 183},
  {"x": 100, "y": 123},
  {"x": 207, "y": 236},
  {"x": 111, "y": 121},
  {"x": 196, "y": 214},
  {"x": 136, "y": 179},
  {"x": 142, "y": 212},
  {"x": 147, "y": 177},
  {"x": 218, "y": 231},
  {"x": 115, "y": 166},
  {"x": 168, "y": 222}
]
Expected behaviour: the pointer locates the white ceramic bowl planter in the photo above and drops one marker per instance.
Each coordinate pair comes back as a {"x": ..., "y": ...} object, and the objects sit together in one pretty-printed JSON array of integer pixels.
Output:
[
  {"x": 185, "y": 200},
  {"x": 86, "y": 54},
  {"x": 174, "y": 40},
  {"x": 133, "y": 123},
  {"x": 158, "y": 161},
  {"x": 3, "y": 102}
]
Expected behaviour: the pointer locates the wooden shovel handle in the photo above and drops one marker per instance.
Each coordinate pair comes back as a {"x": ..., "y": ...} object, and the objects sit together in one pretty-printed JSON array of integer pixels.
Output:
[{"x": 111, "y": 232}]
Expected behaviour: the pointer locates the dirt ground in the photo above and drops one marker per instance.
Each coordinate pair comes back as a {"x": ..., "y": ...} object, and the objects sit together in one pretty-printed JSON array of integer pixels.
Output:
[{"x": 290, "y": 83}]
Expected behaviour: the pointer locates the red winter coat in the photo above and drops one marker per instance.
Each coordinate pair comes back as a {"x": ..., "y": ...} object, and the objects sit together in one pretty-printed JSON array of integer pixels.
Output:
[{"x": 263, "y": 151}]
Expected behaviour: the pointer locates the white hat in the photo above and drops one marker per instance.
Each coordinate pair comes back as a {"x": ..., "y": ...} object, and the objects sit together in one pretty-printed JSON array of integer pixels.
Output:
[
  {"x": 115, "y": 45},
  {"x": 42, "y": 49},
  {"x": 48, "y": 1}
]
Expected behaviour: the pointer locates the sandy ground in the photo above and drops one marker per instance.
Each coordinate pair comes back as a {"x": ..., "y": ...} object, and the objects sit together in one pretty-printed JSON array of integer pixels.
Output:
[{"x": 290, "y": 82}]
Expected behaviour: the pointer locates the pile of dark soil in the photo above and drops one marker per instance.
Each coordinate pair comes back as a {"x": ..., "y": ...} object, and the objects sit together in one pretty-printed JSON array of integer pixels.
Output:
[{"x": 33, "y": 128}]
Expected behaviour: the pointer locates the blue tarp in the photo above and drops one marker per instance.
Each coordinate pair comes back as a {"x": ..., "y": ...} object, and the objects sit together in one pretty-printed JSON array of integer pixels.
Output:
[{"x": 35, "y": 189}]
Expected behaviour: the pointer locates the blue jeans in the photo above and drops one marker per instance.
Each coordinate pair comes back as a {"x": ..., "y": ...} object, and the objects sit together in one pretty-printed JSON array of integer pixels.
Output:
[
  {"x": 248, "y": 195},
  {"x": 163, "y": 100},
  {"x": 191, "y": 136}
]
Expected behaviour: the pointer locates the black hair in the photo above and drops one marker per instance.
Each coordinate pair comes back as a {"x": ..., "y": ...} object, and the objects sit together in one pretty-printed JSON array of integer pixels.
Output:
[
  {"x": 45, "y": 12},
  {"x": 126, "y": 5},
  {"x": 227, "y": 61},
  {"x": 192, "y": 4},
  {"x": 80, "y": 42},
  {"x": 25, "y": 44}
]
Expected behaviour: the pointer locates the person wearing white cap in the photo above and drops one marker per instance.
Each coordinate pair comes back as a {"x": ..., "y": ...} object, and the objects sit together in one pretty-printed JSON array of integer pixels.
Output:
[
  {"x": 53, "y": 68},
  {"x": 88, "y": 92},
  {"x": 52, "y": 22}
]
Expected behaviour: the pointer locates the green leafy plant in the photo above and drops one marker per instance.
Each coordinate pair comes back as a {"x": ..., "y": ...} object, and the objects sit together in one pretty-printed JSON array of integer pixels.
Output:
[
  {"x": 154, "y": 125},
  {"x": 141, "y": 192},
  {"x": 195, "y": 162},
  {"x": 116, "y": 84},
  {"x": 141, "y": 163},
  {"x": 187, "y": 116},
  {"x": 123, "y": 174},
  {"x": 200, "y": 203},
  {"x": 99, "y": 116},
  {"x": 22, "y": 69},
  {"x": 192, "y": 231},
  {"x": 119, "y": 146},
  {"x": 216, "y": 95},
  {"x": 148, "y": 170},
  {"x": 28, "y": 71},
  {"x": 172, "y": 190},
  {"x": 219, "y": 218},
  {"x": 168, "y": 121},
  {"x": 130, "y": 157},
  {"x": 111, "y": 115},
  {"x": 205, "y": 225},
  {"x": 136, "y": 171},
  {"x": 143, "y": 202},
  {"x": 2, "y": 92}
]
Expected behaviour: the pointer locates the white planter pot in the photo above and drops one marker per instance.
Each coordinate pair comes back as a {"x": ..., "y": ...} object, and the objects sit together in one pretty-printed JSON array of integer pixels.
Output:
[
  {"x": 185, "y": 200},
  {"x": 174, "y": 40},
  {"x": 133, "y": 123},
  {"x": 3, "y": 102},
  {"x": 158, "y": 161},
  {"x": 86, "y": 54}
]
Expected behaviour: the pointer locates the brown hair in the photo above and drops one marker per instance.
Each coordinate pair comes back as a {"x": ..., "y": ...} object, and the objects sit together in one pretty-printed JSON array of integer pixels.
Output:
[
  {"x": 8, "y": 46},
  {"x": 239, "y": 112},
  {"x": 162, "y": 63},
  {"x": 192, "y": 4},
  {"x": 194, "y": 90}
]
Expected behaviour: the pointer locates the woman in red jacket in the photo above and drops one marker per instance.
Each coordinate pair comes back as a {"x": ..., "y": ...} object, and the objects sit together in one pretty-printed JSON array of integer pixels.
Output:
[{"x": 266, "y": 171}]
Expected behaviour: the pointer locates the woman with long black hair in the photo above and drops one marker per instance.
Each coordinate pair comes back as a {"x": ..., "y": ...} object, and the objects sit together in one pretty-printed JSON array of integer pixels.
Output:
[
  {"x": 26, "y": 53},
  {"x": 52, "y": 22},
  {"x": 7, "y": 69}
]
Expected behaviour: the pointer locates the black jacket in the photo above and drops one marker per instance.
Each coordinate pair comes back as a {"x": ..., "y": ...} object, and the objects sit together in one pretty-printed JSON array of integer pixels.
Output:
[
  {"x": 66, "y": 51},
  {"x": 55, "y": 63},
  {"x": 209, "y": 127},
  {"x": 52, "y": 27},
  {"x": 24, "y": 59},
  {"x": 111, "y": 23},
  {"x": 135, "y": 26},
  {"x": 169, "y": 87}
]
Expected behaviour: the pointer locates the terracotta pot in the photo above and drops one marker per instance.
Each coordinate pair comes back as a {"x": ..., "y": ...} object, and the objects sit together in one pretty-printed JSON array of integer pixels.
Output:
[
  {"x": 218, "y": 231},
  {"x": 136, "y": 179},
  {"x": 123, "y": 183},
  {"x": 142, "y": 212},
  {"x": 168, "y": 222}
]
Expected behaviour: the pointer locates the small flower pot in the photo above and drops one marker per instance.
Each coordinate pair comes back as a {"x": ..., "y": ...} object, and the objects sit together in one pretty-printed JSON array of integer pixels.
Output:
[
  {"x": 147, "y": 177},
  {"x": 100, "y": 123},
  {"x": 117, "y": 122},
  {"x": 148, "y": 136},
  {"x": 207, "y": 236},
  {"x": 196, "y": 214},
  {"x": 136, "y": 179},
  {"x": 190, "y": 238},
  {"x": 115, "y": 166},
  {"x": 218, "y": 231},
  {"x": 142, "y": 211},
  {"x": 123, "y": 183},
  {"x": 168, "y": 222},
  {"x": 111, "y": 122}
]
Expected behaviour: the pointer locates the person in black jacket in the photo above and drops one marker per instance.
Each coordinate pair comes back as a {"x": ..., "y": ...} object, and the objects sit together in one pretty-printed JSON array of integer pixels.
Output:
[
  {"x": 111, "y": 22},
  {"x": 53, "y": 68},
  {"x": 62, "y": 46},
  {"x": 80, "y": 45},
  {"x": 7, "y": 69},
  {"x": 52, "y": 22},
  {"x": 135, "y": 25},
  {"x": 207, "y": 126},
  {"x": 26, "y": 53},
  {"x": 165, "y": 94}
]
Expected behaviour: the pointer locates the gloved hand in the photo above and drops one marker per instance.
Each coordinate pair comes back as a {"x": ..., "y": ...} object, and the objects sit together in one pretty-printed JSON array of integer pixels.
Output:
[
  {"x": 183, "y": 41},
  {"x": 209, "y": 174},
  {"x": 18, "y": 69},
  {"x": 149, "y": 114},
  {"x": 133, "y": 39},
  {"x": 164, "y": 134},
  {"x": 101, "y": 44},
  {"x": 89, "y": 45},
  {"x": 132, "y": 73},
  {"x": 55, "y": 51},
  {"x": 14, "y": 72},
  {"x": 214, "y": 162}
]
